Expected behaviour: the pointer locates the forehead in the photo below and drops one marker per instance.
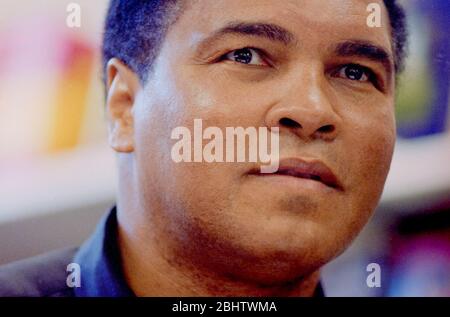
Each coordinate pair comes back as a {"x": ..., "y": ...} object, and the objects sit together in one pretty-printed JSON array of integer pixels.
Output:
[{"x": 318, "y": 20}]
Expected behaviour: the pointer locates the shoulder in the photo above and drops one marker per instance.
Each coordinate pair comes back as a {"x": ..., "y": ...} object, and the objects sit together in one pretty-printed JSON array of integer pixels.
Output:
[{"x": 43, "y": 275}]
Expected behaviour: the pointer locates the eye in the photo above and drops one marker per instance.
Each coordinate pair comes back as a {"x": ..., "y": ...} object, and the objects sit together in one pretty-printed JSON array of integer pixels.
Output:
[
  {"x": 355, "y": 72},
  {"x": 248, "y": 56}
]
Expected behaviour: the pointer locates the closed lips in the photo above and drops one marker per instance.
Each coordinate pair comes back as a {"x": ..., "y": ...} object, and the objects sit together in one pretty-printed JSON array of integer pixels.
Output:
[{"x": 313, "y": 170}]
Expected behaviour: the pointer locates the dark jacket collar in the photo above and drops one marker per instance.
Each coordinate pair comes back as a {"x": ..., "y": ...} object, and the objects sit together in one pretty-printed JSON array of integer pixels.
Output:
[{"x": 100, "y": 262}]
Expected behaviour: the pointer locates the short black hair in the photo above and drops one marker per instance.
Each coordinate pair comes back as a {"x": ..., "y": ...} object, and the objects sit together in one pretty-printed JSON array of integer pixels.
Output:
[
  {"x": 399, "y": 33},
  {"x": 135, "y": 30}
]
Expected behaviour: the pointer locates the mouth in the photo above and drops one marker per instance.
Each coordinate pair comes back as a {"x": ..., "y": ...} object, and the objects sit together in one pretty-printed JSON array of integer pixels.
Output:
[{"x": 314, "y": 170}]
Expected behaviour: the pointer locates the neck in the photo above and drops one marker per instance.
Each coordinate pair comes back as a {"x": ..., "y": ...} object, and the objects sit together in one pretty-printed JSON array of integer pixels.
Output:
[{"x": 150, "y": 270}]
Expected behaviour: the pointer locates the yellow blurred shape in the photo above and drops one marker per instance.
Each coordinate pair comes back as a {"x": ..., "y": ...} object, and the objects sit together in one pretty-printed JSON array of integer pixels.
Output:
[{"x": 71, "y": 101}]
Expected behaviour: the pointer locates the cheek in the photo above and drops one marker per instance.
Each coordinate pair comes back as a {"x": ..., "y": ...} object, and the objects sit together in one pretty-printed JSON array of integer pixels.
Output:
[
  {"x": 373, "y": 145},
  {"x": 195, "y": 186},
  {"x": 369, "y": 144}
]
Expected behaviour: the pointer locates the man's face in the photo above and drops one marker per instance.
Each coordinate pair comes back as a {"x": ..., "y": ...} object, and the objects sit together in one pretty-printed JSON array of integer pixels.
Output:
[{"x": 307, "y": 84}]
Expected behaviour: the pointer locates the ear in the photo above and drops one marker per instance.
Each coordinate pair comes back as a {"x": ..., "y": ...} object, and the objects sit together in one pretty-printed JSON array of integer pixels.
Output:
[{"x": 122, "y": 88}]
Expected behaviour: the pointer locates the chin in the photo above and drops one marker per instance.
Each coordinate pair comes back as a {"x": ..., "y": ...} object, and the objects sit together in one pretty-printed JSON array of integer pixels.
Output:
[
  {"x": 280, "y": 268},
  {"x": 272, "y": 259}
]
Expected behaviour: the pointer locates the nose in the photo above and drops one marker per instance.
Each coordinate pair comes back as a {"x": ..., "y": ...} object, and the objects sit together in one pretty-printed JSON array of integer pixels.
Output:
[{"x": 305, "y": 109}]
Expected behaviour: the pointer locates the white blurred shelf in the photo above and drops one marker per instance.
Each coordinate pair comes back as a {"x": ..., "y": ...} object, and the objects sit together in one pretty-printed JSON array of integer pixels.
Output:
[
  {"x": 419, "y": 175},
  {"x": 64, "y": 181}
]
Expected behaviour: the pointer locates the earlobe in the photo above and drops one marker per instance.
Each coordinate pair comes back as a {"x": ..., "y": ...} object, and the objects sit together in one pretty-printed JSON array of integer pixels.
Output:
[{"x": 122, "y": 87}]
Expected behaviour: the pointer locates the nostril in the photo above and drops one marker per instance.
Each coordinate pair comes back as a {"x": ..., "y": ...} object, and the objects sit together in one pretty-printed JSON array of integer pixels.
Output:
[
  {"x": 327, "y": 128},
  {"x": 289, "y": 123}
]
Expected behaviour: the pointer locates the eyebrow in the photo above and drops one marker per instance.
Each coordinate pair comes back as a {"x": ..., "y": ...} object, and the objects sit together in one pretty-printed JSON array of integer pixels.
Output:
[
  {"x": 268, "y": 31},
  {"x": 368, "y": 50}
]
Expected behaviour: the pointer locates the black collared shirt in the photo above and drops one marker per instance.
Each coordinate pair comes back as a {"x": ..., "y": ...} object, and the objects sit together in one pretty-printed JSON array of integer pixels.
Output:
[{"x": 100, "y": 262}]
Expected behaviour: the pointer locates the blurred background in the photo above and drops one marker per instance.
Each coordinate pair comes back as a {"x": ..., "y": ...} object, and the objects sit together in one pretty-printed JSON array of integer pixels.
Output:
[{"x": 58, "y": 175}]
